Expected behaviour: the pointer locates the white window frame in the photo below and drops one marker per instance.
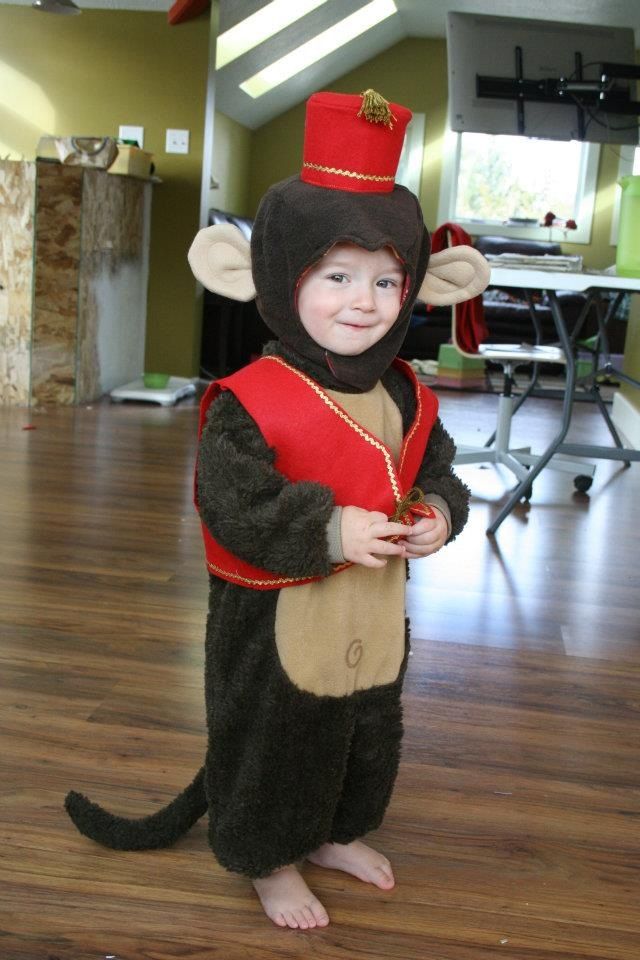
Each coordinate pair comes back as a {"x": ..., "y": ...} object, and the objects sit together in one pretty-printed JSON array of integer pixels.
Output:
[
  {"x": 584, "y": 218},
  {"x": 409, "y": 172}
]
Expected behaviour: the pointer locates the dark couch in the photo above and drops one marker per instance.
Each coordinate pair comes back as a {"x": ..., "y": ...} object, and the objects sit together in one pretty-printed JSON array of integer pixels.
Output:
[{"x": 234, "y": 332}]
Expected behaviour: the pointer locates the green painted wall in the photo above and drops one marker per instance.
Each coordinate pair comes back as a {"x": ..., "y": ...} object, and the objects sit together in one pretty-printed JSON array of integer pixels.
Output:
[
  {"x": 231, "y": 166},
  {"x": 88, "y": 74}
]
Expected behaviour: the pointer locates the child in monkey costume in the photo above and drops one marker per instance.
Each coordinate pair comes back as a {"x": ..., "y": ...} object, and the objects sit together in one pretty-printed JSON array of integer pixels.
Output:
[{"x": 322, "y": 468}]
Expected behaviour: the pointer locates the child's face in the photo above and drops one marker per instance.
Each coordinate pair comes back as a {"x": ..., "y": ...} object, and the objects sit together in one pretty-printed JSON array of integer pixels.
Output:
[{"x": 351, "y": 298}]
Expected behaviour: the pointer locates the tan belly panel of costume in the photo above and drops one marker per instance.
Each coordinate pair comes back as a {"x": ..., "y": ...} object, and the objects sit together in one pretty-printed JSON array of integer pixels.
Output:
[{"x": 346, "y": 632}]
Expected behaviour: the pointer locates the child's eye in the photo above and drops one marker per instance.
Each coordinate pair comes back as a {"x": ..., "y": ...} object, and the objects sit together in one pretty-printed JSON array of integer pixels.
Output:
[
  {"x": 338, "y": 277},
  {"x": 386, "y": 283}
]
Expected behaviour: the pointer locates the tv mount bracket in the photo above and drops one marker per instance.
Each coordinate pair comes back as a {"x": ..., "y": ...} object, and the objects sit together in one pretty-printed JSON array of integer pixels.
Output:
[{"x": 602, "y": 94}]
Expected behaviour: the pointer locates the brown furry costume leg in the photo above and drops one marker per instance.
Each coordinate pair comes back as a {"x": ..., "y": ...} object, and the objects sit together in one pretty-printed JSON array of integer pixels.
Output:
[
  {"x": 287, "y": 770},
  {"x": 372, "y": 767}
]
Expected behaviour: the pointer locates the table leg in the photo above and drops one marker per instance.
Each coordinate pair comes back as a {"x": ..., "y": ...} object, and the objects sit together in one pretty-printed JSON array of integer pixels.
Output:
[
  {"x": 604, "y": 367},
  {"x": 567, "y": 408}
]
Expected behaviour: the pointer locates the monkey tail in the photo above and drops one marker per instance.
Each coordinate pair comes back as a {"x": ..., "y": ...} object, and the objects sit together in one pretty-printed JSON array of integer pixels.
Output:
[{"x": 157, "y": 830}]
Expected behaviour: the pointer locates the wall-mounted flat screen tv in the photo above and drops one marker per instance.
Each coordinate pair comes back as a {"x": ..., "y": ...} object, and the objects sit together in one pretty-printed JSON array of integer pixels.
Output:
[{"x": 482, "y": 46}]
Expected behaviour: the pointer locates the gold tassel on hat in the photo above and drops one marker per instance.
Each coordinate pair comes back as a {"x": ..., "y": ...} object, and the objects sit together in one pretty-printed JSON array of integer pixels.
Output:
[{"x": 375, "y": 108}]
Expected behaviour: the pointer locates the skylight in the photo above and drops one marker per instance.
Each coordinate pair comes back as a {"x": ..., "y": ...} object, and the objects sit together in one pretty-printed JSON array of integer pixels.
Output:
[
  {"x": 320, "y": 46},
  {"x": 265, "y": 23}
]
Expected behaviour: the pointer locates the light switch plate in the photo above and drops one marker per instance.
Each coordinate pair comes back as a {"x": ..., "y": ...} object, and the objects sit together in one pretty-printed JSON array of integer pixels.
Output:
[
  {"x": 132, "y": 133},
  {"x": 177, "y": 141}
]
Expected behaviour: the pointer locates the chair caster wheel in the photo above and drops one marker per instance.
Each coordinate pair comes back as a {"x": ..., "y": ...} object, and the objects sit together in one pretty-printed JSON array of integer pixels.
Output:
[{"x": 582, "y": 483}]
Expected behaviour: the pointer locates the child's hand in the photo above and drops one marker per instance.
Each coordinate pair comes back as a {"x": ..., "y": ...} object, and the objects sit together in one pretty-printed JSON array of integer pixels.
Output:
[
  {"x": 362, "y": 534},
  {"x": 427, "y": 536}
]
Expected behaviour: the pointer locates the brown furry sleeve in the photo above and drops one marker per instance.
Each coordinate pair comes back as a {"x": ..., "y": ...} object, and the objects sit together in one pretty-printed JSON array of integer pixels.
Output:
[
  {"x": 435, "y": 475},
  {"x": 250, "y": 507}
]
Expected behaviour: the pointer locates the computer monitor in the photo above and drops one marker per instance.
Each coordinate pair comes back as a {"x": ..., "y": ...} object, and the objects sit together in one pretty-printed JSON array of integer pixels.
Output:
[{"x": 483, "y": 46}]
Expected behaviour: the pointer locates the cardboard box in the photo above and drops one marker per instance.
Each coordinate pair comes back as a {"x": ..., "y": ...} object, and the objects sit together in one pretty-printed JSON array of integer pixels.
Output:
[{"x": 132, "y": 162}]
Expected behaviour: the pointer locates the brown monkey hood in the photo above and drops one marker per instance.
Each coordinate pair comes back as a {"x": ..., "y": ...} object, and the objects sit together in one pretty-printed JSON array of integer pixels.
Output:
[{"x": 296, "y": 224}]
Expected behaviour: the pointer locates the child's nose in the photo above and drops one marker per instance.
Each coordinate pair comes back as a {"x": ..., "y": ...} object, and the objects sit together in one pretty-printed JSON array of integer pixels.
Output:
[{"x": 363, "y": 297}]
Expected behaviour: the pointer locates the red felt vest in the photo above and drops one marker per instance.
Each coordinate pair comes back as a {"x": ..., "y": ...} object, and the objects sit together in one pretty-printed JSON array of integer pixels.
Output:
[{"x": 315, "y": 439}]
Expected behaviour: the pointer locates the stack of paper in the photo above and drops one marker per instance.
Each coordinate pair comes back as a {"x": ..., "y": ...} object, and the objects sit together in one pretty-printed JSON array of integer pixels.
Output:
[{"x": 546, "y": 261}]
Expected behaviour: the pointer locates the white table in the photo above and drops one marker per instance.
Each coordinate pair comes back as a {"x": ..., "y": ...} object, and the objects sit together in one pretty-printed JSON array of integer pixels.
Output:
[
  {"x": 593, "y": 284},
  {"x": 547, "y": 280}
]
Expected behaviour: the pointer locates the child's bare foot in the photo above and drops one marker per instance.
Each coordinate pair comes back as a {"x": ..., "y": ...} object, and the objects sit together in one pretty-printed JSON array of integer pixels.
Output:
[
  {"x": 287, "y": 900},
  {"x": 357, "y": 859}
]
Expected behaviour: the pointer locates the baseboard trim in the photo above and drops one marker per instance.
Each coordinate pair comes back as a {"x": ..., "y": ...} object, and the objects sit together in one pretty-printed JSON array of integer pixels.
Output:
[{"x": 627, "y": 419}]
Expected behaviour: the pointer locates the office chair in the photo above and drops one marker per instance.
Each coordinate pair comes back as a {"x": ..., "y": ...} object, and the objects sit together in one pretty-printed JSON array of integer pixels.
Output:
[{"x": 497, "y": 448}]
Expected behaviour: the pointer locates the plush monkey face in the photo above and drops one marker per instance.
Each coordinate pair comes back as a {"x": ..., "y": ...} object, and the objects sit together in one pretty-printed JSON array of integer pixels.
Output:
[{"x": 296, "y": 224}]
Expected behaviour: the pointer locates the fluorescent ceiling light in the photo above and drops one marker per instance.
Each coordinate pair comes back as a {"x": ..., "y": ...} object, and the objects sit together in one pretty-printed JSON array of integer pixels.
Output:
[
  {"x": 323, "y": 44},
  {"x": 266, "y": 22}
]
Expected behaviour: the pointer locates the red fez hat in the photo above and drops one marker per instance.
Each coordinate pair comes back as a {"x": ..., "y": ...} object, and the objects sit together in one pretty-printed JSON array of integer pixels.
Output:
[{"x": 353, "y": 142}]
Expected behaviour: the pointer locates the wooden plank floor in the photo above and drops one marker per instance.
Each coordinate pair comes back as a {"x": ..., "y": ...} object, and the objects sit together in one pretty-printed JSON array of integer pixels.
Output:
[{"x": 515, "y": 826}]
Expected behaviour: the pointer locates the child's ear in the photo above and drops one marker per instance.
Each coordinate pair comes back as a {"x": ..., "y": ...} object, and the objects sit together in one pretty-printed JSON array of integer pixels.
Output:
[
  {"x": 453, "y": 275},
  {"x": 220, "y": 258}
]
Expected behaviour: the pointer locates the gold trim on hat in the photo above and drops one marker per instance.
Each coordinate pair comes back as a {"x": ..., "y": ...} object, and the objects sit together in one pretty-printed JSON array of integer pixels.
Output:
[{"x": 349, "y": 173}]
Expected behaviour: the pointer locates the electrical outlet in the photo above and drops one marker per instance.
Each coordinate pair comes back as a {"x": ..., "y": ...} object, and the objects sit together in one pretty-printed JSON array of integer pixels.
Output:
[
  {"x": 177, "y": 141},
  {"x": 132, "y": 133}
]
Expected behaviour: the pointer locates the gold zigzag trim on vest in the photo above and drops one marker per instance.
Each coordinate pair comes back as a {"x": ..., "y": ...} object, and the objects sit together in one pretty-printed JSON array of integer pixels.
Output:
[
  {"x": 349, "y": 173},
  {"x": 351, "y": 423},
  {"x": 416, "y": 422},
  {"x": 277, "y": 581}
]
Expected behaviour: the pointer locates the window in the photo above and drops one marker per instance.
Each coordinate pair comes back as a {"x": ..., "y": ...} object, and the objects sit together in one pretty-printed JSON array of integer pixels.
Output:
[
  {"x": 506, "y": 185},
  {"x": 409, "y": 172}
]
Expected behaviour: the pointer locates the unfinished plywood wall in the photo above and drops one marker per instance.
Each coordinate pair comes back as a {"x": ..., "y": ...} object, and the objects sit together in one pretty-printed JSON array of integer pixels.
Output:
[
  {"x": 74, "y": 265},
  {"x": 17, "y": 202}
]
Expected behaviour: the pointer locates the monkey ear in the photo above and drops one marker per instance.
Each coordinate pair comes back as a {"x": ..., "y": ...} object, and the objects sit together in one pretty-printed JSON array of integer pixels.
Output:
[
  {"x": 220, "y": 258},
  {"x": 453, "y": 275}
]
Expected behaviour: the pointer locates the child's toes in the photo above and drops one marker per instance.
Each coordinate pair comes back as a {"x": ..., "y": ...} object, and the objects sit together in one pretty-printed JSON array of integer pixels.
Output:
[
  {"x": 386, "y": 878},
  {"x": 309, "y": 917},
  {"x": 291, "y": 920},
  {"x": 320, "y": 915}
]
